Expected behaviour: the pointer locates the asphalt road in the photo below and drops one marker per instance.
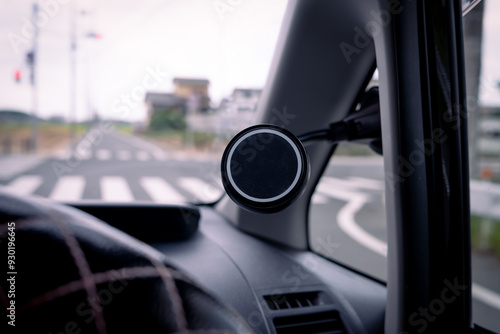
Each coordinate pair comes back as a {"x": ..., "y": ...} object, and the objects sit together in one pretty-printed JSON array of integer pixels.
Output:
[
  {"x": 121, "y": 168},
  {"x": 347, "y": 218},
  {"x": 347, "y": 223}
]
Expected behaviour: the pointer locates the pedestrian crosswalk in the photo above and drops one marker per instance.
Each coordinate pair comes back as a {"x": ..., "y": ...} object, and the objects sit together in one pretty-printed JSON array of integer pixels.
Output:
[
  {"x": 69, "y": 188},
  {"x": 205, "y": 191},
  {"x": 142, "y": 156},
  {"x": 115, "y": 189},
  {"x": 129, "y": 155},
  {"x": 115, "y": 155},
  {"x": 112, "y": 188},
  {"x": 118, "y": 189},
  {"x": 161, "y": 191},
  {"x": 25, "y": 185},
  {"x": 103, "y": 154},
  {"x": 123, "y": 155}
]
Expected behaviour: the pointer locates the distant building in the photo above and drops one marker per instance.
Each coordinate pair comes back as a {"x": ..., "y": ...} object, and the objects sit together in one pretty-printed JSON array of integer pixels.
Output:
[
  {"x": 190, "y": 96},
  {"x": 195, "y": 91},
  {"x": 487, "y": 144},
  {"x": 238, "y": 110},
  {"x": 241, "y": 100},
  {"x": 156, "y": 102}
]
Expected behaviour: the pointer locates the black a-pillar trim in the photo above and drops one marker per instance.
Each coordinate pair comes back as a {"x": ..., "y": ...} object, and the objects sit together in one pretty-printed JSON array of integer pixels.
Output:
[{"x": 424, "y": 133}]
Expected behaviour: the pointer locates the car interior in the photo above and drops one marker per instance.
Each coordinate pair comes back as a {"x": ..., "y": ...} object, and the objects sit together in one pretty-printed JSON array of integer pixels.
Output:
[{"x": 244, "y": 263}]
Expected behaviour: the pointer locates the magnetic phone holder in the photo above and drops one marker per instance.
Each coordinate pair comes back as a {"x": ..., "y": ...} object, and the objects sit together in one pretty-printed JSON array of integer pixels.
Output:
[{"x": 264, "y": 168}]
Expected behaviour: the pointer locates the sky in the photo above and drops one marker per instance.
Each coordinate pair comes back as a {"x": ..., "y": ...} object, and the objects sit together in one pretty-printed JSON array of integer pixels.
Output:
[
  {"x": 188, "y": 38},
  {"x": 172, "y": 38}
]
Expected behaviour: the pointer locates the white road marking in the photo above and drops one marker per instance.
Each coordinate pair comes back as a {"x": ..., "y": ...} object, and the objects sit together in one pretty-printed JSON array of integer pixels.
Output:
[
  {"x": 160, "y": 191},
  {"x": 115, "y": 189},
  {"x": 345, "y": 217},
  {"x": 338, "y": 192},
  {"x": 137, "y": 142},
  {"x": 160, "y": 155},
  {"x": 200, "y": 189},
  {"x": 317, "y": 198},
  {"x": 63, "y": 154},
  {"x": 82, "y": 154},
  {"x": 142, "y": 155},
  {"x": 486, "y": 296},
  {"x": 347, "y": 223},
  {"x": 353, "y": 183},
  {"x": 219, "y": 182},
  {"x": 103, "y": 154},
  {"x": 13, "y": 165},
  {"x": 25, "y": 185},
  {"x": 358, "y": 161},
  {"x": 68, "y": 188},
  {"x": 363, "y": 182},
  {"x": 123, "y": 155}
]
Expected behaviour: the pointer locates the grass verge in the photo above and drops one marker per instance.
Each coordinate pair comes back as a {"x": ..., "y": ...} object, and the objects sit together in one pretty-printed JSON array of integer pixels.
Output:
[
  {"x": 51, "y": 137},
  {"x": 492, "y": 237}
]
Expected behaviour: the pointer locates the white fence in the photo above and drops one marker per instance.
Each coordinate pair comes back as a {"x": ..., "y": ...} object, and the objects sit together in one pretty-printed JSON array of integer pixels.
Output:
[
  {"x": 221, "y": 122},
  {"x": 485, "y": 199}
]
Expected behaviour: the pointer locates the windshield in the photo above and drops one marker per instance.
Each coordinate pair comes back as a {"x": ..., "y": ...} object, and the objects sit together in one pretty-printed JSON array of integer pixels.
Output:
[{"x": 125, "y": 101}]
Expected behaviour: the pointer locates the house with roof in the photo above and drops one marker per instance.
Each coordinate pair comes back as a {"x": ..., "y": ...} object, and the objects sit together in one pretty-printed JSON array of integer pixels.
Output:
[
  {"x": 190, "y": 96},
  {"x": 241, "y": 100}
]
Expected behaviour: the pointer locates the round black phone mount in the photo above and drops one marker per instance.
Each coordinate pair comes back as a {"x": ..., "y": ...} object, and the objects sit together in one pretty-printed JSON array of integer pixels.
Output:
[{"x": 264, "y": 168}]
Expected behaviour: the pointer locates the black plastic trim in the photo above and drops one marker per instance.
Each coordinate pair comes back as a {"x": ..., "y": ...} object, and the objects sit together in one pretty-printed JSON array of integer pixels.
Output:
[{"x": 145, "y": 221}]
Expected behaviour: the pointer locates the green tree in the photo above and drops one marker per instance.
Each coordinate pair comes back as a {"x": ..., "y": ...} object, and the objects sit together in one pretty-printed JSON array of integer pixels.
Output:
[{"x": 167, "y": 119}]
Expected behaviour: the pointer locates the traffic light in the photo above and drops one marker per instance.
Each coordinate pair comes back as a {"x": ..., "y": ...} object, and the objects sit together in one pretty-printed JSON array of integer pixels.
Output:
[
  {"x": 17, "y": 75},
  {"x": 94, "y": 35},
  {"x": 30, "y": 58}
]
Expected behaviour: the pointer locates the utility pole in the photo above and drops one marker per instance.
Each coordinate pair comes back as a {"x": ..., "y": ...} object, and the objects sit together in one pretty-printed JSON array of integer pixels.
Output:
[
  {"x": 32, "y": 60},
  {"x": 73, "y": 85}
]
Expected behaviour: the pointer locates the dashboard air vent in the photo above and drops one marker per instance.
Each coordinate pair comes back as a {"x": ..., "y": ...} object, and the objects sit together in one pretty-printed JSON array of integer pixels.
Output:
[
  {"x": 296, "y": 300},
  {"x": 315, "y": 323}
]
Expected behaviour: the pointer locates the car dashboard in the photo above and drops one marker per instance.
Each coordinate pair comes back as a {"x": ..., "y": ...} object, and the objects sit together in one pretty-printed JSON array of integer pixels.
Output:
[{"x": 274, "y": 288}]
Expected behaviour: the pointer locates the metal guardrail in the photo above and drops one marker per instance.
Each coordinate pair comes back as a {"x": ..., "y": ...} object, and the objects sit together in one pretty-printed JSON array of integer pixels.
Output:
[{"x": 485, "y": 199}]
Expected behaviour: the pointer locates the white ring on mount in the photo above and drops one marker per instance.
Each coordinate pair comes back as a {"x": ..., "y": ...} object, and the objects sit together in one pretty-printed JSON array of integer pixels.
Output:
[{"x": 269, "y": 199}]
